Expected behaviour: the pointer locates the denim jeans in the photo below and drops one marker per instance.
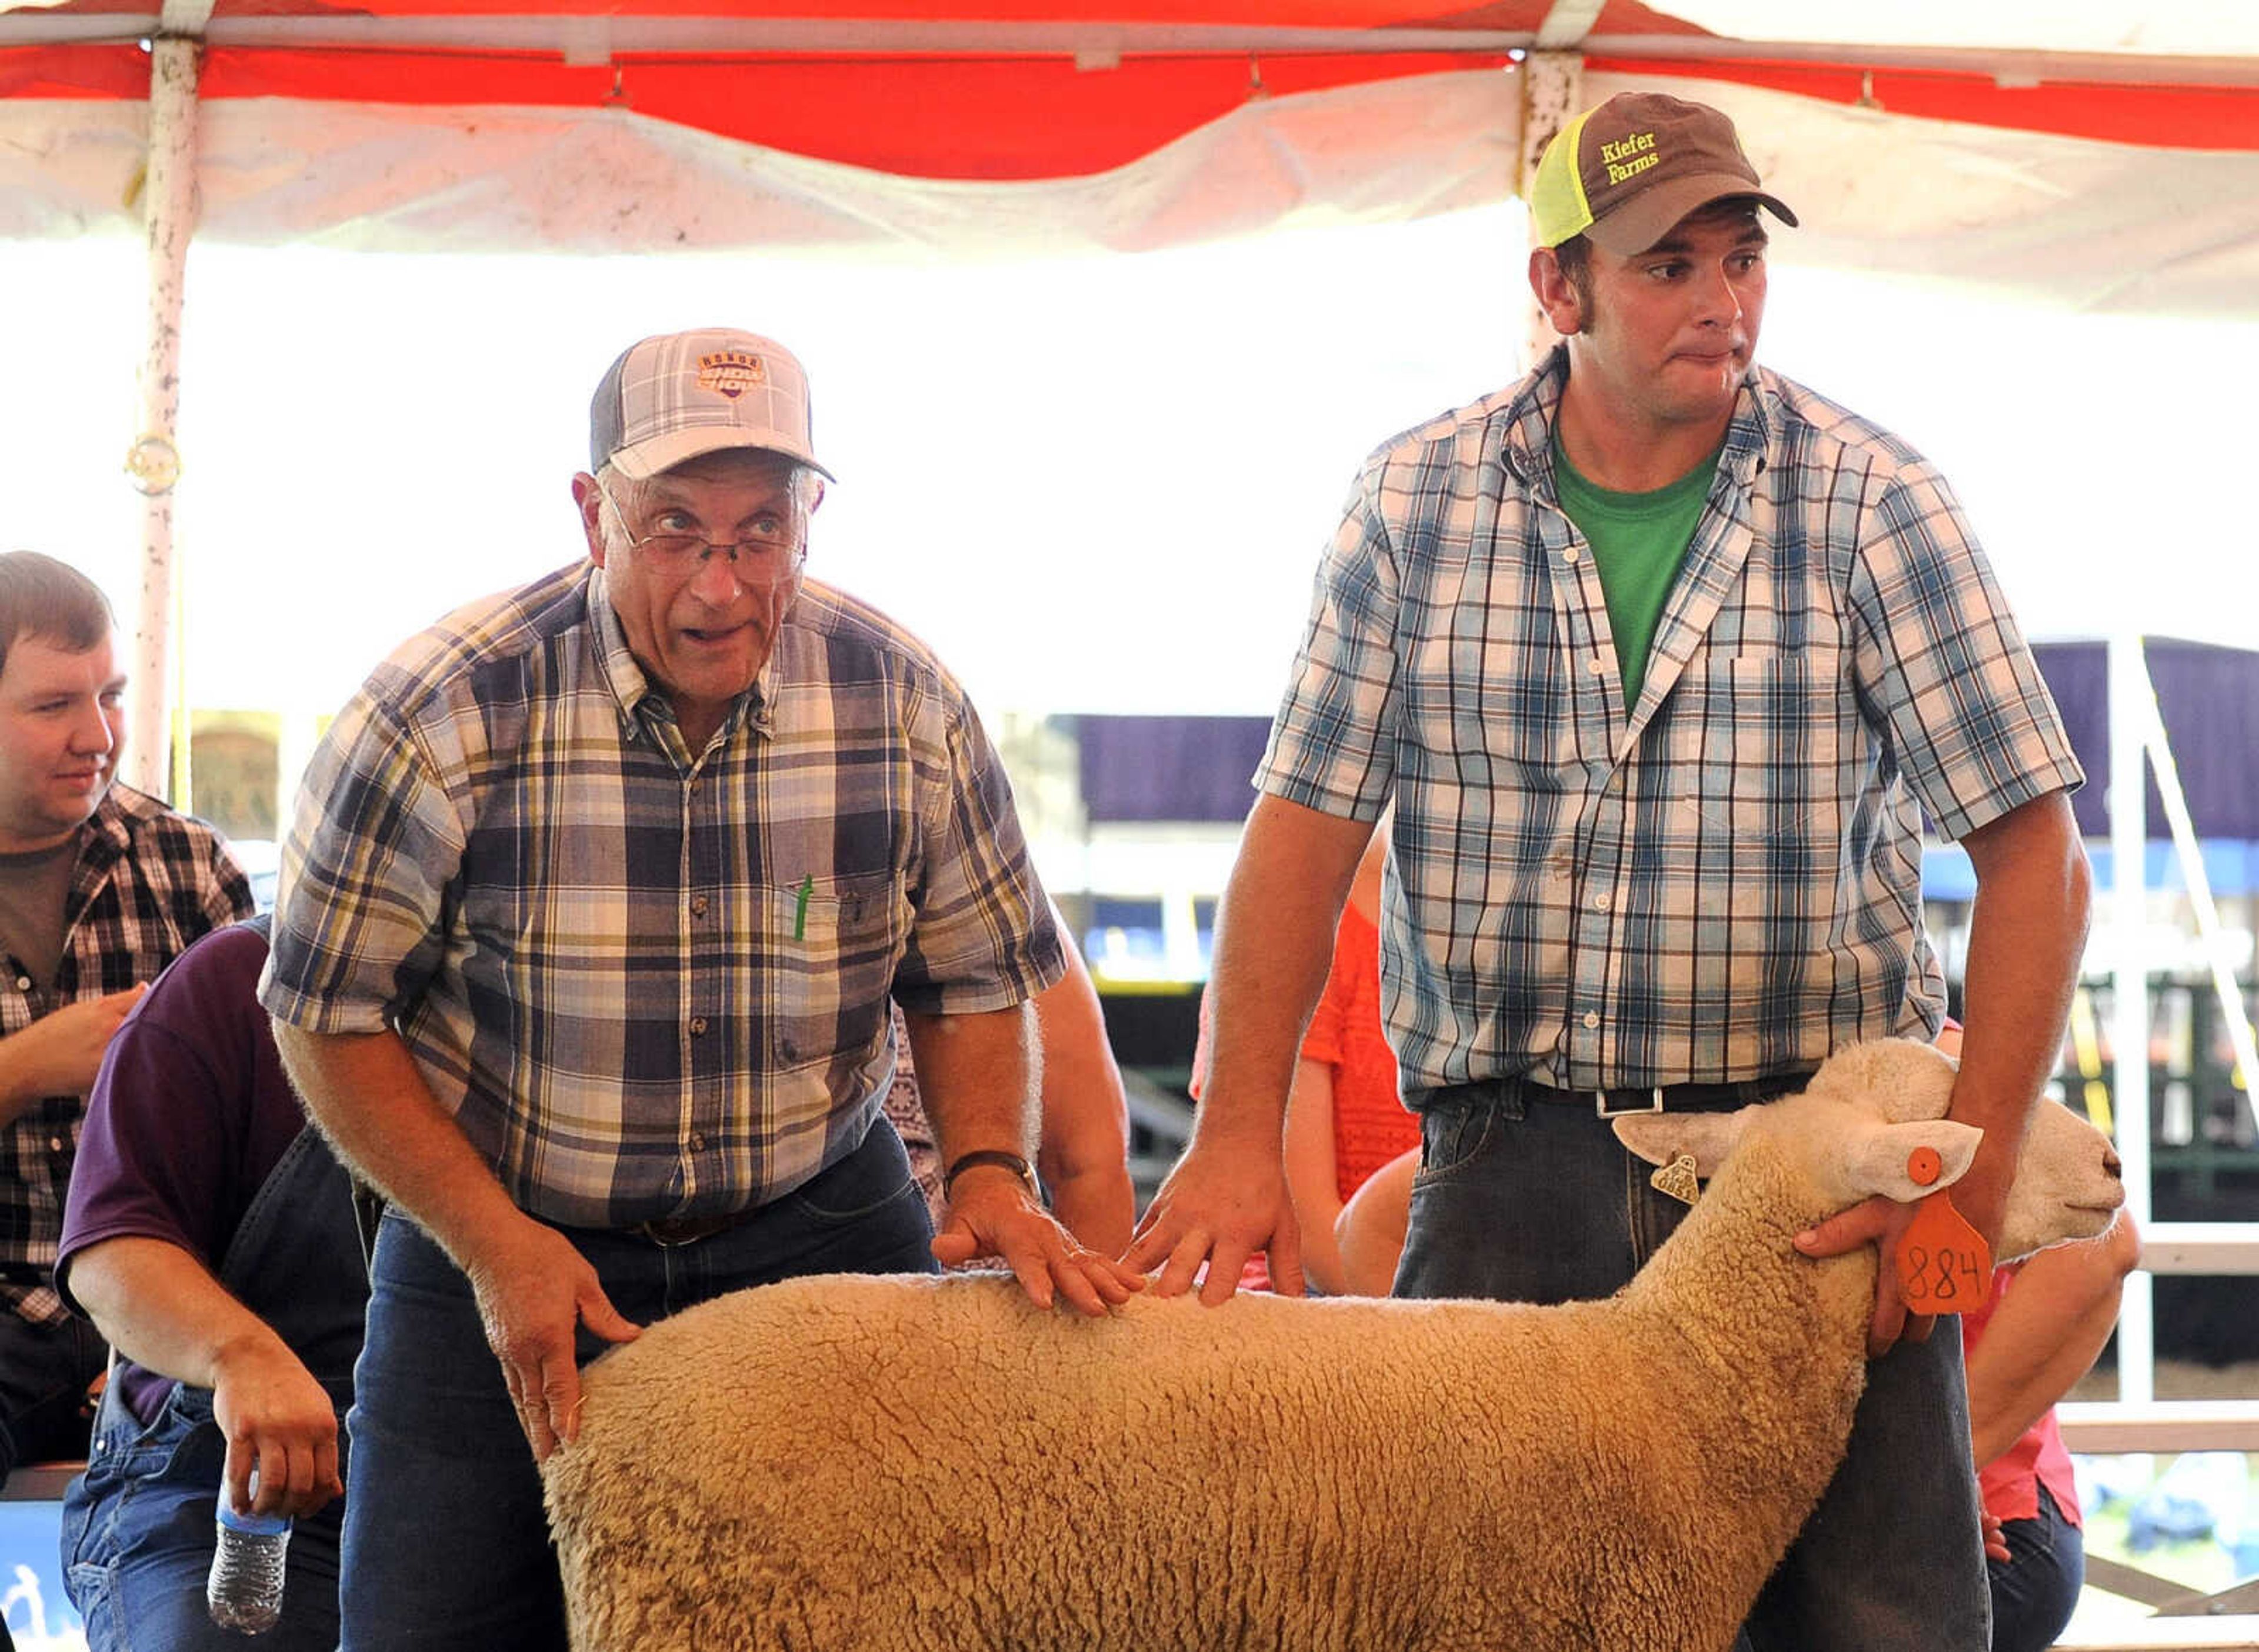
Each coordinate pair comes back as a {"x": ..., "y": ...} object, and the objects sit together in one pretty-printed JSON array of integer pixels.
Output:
[
  {"x": 1537, "y": 1201},
  {"x": 2035, "y": 1590},
  {"x": 45, "y": 1371},
  {"x": 446, "y": 1544},
  {"x": 137, "y": 1540}
]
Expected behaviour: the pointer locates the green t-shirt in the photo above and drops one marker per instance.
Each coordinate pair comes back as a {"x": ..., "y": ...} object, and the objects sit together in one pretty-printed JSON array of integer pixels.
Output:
[{"x": 1638, "y": 542}]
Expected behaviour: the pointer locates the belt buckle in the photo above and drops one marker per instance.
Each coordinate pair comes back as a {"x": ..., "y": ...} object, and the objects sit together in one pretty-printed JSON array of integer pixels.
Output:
[{"x": 1601, "y": 1109}]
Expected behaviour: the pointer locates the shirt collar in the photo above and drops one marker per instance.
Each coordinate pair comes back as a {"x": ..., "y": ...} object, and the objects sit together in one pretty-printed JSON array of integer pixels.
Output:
[{"x": 1528, "y": 419}]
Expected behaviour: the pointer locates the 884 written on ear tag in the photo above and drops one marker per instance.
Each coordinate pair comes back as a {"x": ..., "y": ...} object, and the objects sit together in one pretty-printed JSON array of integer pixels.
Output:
[
  {"x": 1944, "y": 1264},
  {"x": 1677, "y": 1180}
]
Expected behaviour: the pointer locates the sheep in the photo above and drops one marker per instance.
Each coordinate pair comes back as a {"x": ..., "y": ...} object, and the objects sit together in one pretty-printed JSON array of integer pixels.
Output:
[{"x": 929, "y": 1464}]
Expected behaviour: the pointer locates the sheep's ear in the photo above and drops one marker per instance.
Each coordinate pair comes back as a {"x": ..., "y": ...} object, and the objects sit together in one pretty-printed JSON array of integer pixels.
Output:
[
  {"x": 1661, "y": 1138},
  {"x": 1879, "y": 1160}
]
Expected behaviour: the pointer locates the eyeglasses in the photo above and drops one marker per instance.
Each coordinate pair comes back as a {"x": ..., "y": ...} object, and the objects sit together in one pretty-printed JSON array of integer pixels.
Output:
[{"x": 773, "y": 554}]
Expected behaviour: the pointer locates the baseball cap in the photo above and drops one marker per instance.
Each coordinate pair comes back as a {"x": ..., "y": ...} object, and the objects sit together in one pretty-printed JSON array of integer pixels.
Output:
[
  {"x": 670, "y": 398},
  {"x": 1625, "y": 171}
]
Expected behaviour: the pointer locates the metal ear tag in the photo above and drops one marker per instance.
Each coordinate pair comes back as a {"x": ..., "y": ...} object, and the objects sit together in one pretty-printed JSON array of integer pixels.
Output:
[{"x": 1677, "y": 1180}]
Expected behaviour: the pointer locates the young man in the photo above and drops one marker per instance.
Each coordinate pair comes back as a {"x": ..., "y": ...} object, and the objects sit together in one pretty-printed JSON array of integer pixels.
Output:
[
  {"x": 1662, "y": 656},
  {"x": 100, "y": 888},
  {"x": 594, "y": 902}
]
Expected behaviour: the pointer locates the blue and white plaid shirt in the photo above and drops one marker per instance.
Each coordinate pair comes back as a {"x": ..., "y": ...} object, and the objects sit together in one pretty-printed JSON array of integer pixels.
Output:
[
  {"x": 650, "y": 983},
  {"x": 1722, "y": 880}
]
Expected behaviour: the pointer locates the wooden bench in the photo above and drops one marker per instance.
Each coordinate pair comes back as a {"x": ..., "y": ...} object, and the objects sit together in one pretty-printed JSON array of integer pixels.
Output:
[
  {"x": 39, "y": 1482},
  {"x": 2104, "y": 1428}
]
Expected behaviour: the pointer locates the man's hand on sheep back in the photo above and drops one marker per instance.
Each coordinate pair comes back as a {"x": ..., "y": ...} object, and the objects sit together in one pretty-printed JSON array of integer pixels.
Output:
[
  {"x": 533, "y": 1289},
  {"x": 992, "y": 1212},
  {"x": 1219, "y": 1208},
  {"x": 1883, "y": 1222}
]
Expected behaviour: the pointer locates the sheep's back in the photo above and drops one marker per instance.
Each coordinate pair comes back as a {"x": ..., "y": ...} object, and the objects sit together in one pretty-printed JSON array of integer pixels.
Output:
[{"x": 921, "y": 1463}]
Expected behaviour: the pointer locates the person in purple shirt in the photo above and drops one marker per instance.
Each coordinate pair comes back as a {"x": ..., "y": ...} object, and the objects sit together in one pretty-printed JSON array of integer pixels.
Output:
[{"x": 209, "y": 1236}]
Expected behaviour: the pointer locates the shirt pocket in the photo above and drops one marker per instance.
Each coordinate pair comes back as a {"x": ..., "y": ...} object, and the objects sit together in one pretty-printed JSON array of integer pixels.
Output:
[
  {"x": 836, "y": 941},
  {"x": 1754, "y": 743}
]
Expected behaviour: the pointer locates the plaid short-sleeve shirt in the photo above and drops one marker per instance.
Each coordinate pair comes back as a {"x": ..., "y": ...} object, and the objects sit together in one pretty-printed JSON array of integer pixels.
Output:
[
  {"x": 1722, "y": 879},
  {"x": 147, "y": 882},
  {"x": 650, "y": 983}
]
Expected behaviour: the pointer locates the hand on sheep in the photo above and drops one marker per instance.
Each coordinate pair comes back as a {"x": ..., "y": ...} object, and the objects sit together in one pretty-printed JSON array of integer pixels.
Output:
[
  {"x": 1884, "y": 1221},
  {"x": 278, "y": 1421},
  {"x": 993, "y": 1213},
  {"x": 1219, "y": 1206},
  {"x": 534, "y": 1288}
]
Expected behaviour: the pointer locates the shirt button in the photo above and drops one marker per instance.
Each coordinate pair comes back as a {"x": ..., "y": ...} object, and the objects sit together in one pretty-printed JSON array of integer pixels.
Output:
[
  {"x": 1600, "y": 903},
  {"x": 698, "y": 906},
  {"x": 54, "y": 1144},
  {"x": 1591, "y": 1018},
  {"x": 697, "y": 1025},
  {"x": 23, "y": 983},
  {"x": 698, "y": 1144},
  {"x": 1596, "y": 664},
  {"x": 1572, "y": 556}
]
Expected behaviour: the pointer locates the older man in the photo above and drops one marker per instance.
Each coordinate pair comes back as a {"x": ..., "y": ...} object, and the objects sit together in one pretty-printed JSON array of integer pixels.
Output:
[
  {"x": 593, "y": 904},
  {"x": 100, "y": 886}
]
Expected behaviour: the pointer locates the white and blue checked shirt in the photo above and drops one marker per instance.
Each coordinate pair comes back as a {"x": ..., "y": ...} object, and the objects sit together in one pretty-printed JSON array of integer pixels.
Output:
[
  {"x": 1723, "y": 879},
  {"x": 650, "y": 983}
]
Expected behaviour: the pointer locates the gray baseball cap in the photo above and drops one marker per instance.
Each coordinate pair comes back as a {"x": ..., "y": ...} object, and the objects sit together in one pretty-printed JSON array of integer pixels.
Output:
[{"x": 674, "y": 396}]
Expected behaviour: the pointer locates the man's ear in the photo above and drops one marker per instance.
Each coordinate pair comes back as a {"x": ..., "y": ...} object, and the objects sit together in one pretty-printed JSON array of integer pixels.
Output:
[
  {"x": 1661, "y": 1138},
  {"x": 1554, "y": 295},
  {"x": 590, "y": 500}
]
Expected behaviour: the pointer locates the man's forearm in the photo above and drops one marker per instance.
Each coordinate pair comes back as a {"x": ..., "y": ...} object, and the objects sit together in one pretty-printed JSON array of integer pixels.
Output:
[
  {"x": 365, "y": 1093},
  {"x": 161, "y": 1308},
  {"x": 977, "y": 1077},
  {"x": 2027, "y": 931},
  {"x": 1274, "y": 946}
]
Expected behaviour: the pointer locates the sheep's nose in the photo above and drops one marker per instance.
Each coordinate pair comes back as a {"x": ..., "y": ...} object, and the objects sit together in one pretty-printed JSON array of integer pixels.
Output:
[{"x": 2111, "y": 1166}]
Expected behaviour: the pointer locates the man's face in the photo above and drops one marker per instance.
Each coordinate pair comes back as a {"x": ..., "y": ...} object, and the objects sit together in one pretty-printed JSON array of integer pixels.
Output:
[
  {"x": 1666, "y": 335},
  {"x": 62, "y": 722},
  {"x": 703, "y": 631}
]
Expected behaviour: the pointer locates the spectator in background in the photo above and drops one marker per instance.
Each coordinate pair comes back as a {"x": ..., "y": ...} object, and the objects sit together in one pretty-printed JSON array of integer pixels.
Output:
[
  {"x": 2042, "y": 1329},
  {"x": 100, "y": 888},
  {"x": 1082, "y": 1153},
  {"x": 209, "y": 1236},
  {"x": 1344, "y": 1118}
]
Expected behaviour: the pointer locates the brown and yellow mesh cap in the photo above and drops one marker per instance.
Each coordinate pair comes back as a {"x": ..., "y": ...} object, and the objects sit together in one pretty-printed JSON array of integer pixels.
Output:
[{"x": 1625, "y": 171}]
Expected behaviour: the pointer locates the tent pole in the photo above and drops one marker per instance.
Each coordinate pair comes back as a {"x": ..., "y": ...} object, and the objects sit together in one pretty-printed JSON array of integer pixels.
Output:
[
  {"x": 153, "y": 462},
  {"x": 1552, "y": 91},
  {"x": 2129, "y": 976}
]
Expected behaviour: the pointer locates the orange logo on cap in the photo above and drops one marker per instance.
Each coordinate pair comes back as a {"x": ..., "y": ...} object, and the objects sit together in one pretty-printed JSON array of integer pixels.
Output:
[{"x": 731, "y": 373}]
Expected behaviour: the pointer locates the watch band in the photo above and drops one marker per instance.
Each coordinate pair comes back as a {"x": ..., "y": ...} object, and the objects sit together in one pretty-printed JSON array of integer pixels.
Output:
[{"x": 996, "y": 1155}]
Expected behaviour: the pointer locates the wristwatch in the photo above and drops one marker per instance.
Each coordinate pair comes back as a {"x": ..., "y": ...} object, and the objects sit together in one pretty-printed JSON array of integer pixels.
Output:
[{"x": 995, "y": 1156}]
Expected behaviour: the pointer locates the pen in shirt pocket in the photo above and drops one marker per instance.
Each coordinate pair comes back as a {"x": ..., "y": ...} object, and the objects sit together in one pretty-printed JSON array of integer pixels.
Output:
[{"x": 800, "y": 907}]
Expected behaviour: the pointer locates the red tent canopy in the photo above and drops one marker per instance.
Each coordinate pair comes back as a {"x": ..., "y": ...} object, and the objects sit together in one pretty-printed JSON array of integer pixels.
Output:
[{"x": 1016, "y": 90}]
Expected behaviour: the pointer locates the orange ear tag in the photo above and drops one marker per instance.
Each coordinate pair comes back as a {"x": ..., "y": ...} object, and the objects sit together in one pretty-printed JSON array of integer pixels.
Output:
[{"x": 1944, "y": 1264}]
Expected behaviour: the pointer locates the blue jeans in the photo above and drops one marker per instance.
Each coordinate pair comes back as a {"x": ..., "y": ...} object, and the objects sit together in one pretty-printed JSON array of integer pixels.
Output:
[
  {"x": 1537, "y": 1201},
  {"x": 137, "y": 1540},
  {"x": 2036, "y": 1589},
  {"x": 446, "y": 1544}
]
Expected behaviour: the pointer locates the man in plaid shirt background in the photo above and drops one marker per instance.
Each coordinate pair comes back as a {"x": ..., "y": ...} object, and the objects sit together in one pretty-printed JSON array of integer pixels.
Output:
[{"x": 100, "y": 888}]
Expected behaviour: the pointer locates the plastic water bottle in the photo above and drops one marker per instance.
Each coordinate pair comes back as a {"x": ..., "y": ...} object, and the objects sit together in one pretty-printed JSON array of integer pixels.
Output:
[{"x": 245, "y": 1591}]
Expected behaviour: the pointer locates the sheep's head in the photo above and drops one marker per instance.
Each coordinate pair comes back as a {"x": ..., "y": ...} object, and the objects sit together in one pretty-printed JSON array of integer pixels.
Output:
[{"x": 1857, "y": 1123}]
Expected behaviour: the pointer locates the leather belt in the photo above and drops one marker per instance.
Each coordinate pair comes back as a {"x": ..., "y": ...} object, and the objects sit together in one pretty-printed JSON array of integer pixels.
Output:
[
  {"x": 688, "y": 1230},
  {"x": 1665, "y": 1098}
]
